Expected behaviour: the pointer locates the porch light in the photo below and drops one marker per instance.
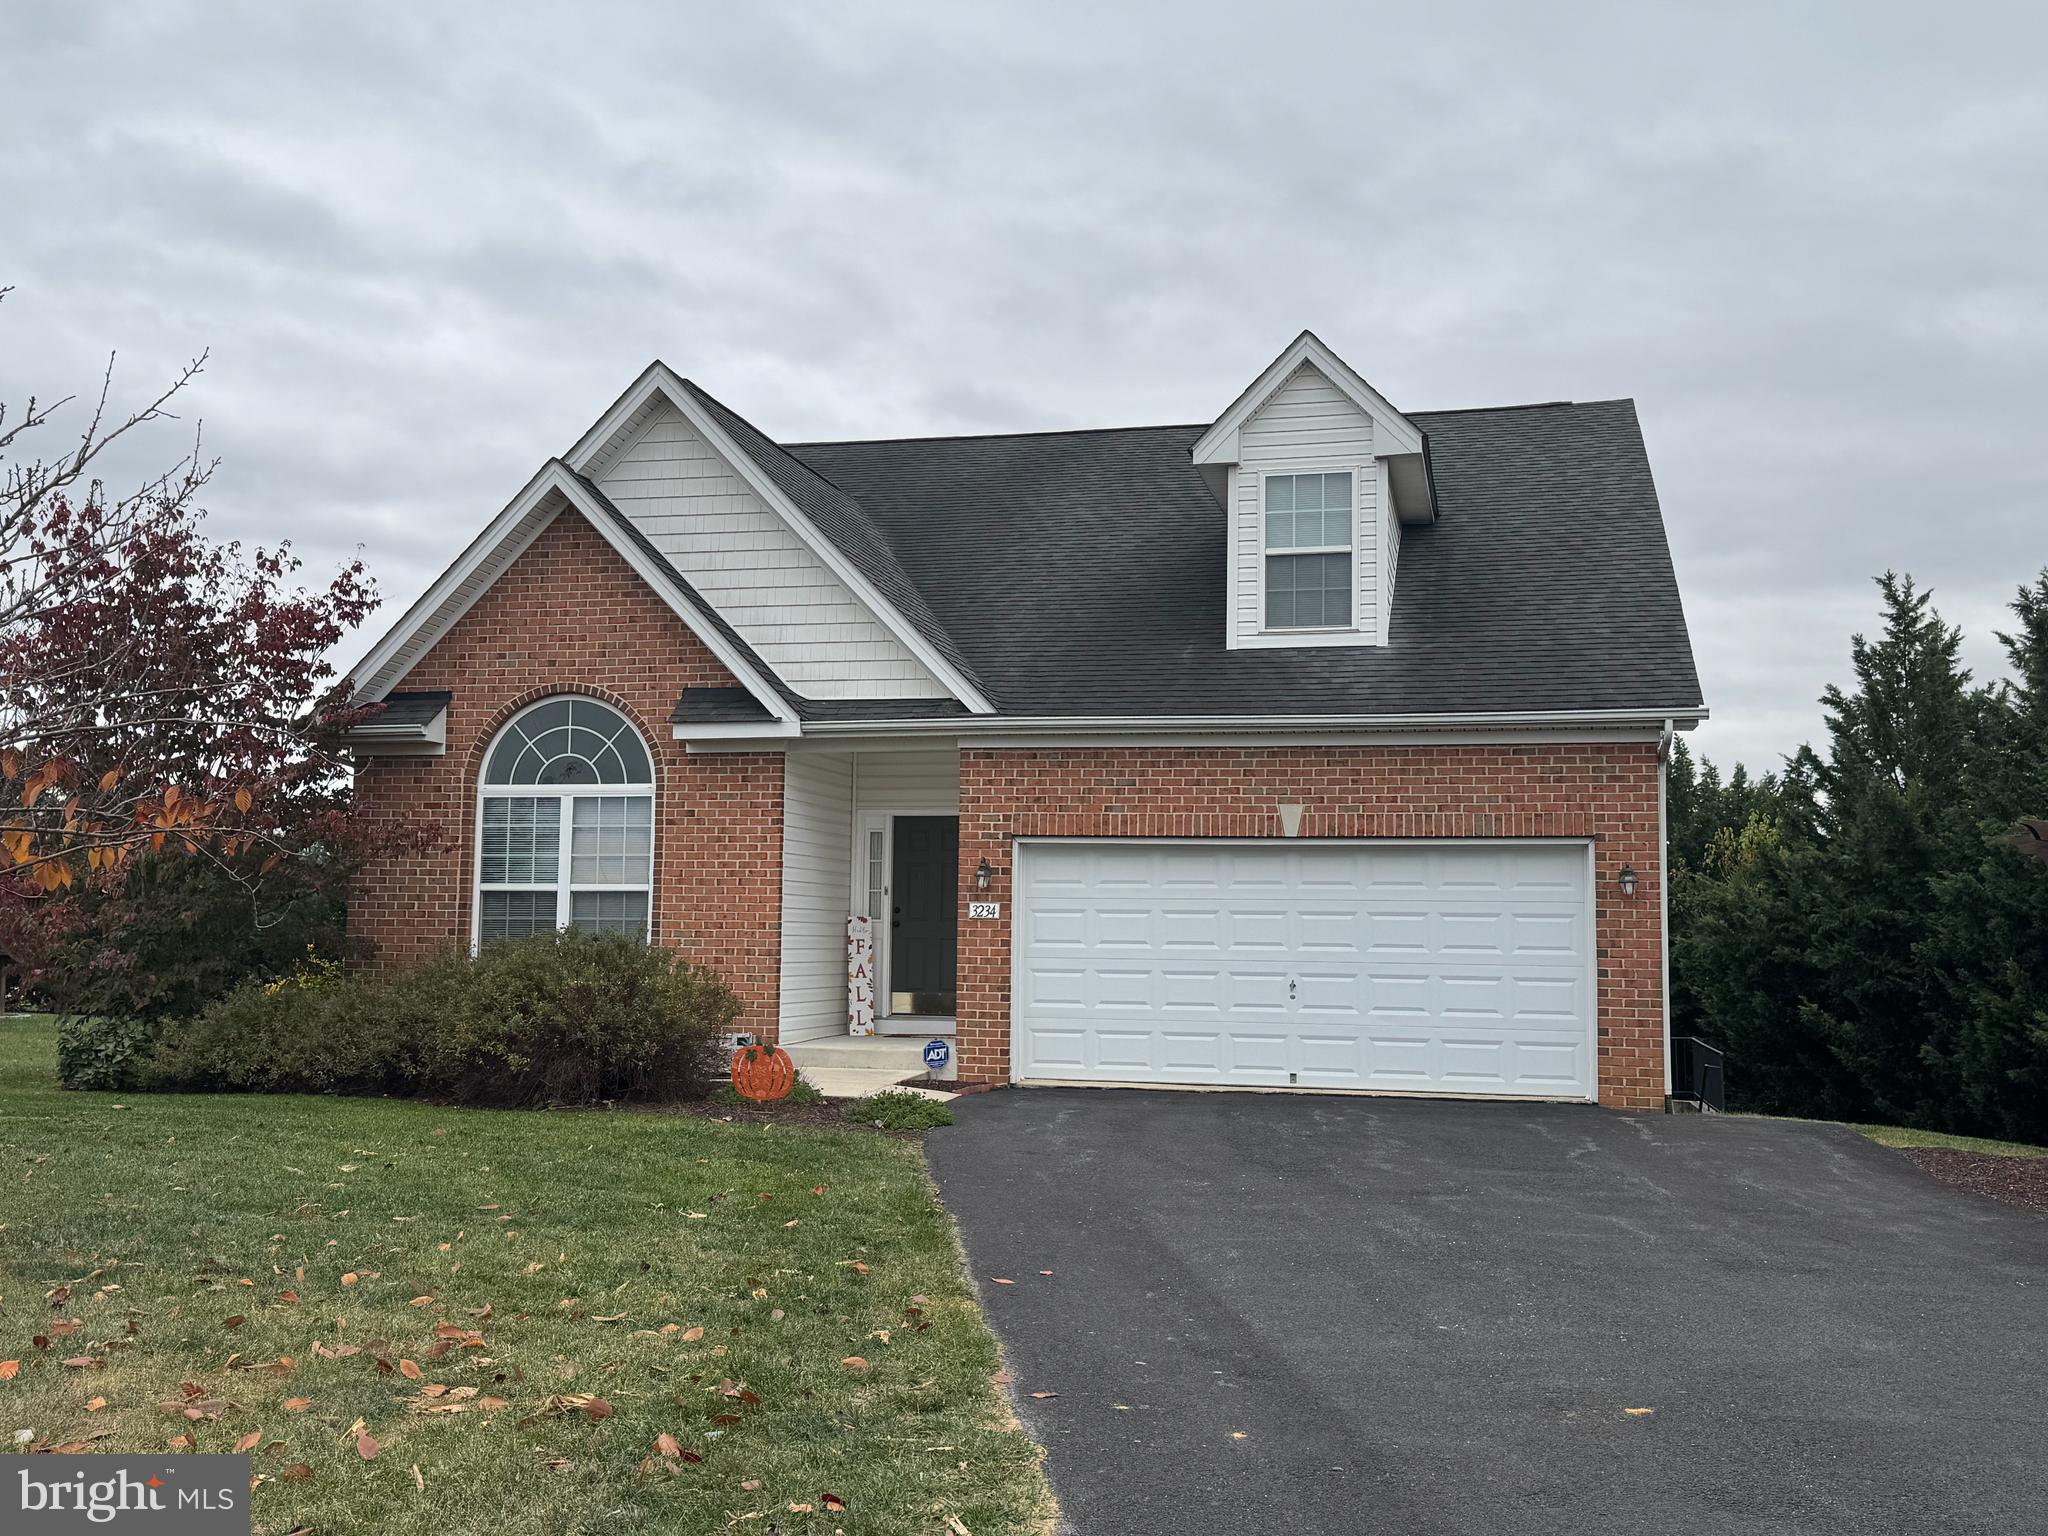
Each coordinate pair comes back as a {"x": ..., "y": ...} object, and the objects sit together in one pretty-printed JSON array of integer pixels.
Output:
[
  {"x": 1628, "y": 880},
  {"x": 982, "y": 875}
]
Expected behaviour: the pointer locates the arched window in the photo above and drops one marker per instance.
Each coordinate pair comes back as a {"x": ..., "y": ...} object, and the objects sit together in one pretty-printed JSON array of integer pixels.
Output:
[{"x": 566, "y": 824}]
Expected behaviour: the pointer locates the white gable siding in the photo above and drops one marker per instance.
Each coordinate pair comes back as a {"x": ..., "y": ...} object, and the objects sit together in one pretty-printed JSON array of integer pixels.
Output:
[
  {"x": 749, "y": 565},
  {"x": 1308, "y": 424},
  {"x": 817, "y": 868},
  {"x": 1390, "y": 553}
]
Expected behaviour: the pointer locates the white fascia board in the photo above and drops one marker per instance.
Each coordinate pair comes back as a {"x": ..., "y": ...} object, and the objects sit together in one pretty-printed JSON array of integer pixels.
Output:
[
  {"x": 421, "y": 738},
  {"x": 736, "y": 730},
  {"x": 1219, "y": 445},
  {"x": 659, "y": 378},
  {"x": 1243, "y": 730},
  {"x": 493, "y": 552}
]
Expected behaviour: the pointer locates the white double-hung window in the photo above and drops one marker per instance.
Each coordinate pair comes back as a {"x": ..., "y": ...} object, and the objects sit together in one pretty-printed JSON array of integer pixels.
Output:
[
  {"x": 1308, "y": 530},
  {"x": 565, "y": 824}
]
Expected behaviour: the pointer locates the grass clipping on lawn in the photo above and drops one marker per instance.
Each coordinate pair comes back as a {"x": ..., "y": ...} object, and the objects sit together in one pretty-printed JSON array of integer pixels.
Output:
[{"x": 419, "y": 1319}]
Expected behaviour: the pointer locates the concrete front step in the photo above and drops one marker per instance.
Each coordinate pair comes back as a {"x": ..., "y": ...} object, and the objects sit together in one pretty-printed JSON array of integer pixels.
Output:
[
  {"x": 854, "y": 1066},
  {"x": 877, "y": 1053}
]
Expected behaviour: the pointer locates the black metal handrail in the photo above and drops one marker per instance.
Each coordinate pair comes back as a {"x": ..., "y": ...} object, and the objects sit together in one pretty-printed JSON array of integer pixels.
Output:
[{"x": 1697, "y": 1073}]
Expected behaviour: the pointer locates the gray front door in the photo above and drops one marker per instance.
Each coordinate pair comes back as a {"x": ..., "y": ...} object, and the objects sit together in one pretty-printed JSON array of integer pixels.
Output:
[{"x": 923, "y": 938}]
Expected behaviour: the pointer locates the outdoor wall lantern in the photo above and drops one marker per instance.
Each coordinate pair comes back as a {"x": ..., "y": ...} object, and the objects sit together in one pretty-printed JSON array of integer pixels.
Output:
[
  {"x": 1628, "y": 880},
  {"x": 982, "y": 875}
]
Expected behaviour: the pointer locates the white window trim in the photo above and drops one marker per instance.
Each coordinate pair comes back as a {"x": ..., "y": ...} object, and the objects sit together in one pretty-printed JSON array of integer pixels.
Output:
[
  {"x": 567, "y": 794},
  {"x": 1316, "y": 633}
]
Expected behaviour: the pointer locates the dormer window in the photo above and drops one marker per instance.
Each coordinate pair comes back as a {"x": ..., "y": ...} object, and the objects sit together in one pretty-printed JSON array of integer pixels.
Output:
[{"x": 1308, "y": 530}]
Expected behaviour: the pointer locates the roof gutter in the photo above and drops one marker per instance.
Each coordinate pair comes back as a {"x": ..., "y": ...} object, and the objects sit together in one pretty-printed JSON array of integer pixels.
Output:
[{"x": 1149, "y": 725}]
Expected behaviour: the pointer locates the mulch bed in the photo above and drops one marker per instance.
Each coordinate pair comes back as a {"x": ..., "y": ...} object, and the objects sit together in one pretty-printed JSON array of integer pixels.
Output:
[{"x": 2017, "y": 1181}]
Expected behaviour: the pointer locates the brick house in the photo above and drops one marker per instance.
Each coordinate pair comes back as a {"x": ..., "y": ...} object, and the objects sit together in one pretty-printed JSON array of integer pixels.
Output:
[{"x": 1317, "y": 747}]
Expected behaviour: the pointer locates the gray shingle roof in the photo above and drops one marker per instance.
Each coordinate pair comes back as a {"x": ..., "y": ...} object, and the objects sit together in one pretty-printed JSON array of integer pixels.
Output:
[
  {"x": 411, "y": 707},
  {"x": 1082, "y": 573}
]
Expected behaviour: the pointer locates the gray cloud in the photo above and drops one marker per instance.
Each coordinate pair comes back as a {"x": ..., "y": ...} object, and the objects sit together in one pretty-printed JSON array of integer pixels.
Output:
[{"x": 428, "y": 245}]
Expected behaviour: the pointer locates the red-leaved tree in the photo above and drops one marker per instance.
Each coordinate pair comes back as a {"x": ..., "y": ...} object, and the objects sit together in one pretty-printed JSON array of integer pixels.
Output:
[{"x": 161, "y": 696}]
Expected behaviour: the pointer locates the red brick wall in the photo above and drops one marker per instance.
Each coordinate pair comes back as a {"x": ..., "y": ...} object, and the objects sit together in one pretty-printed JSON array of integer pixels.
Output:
[
  {"x": 1605, "y": 791},
  {"x": 570, "y": 616}
]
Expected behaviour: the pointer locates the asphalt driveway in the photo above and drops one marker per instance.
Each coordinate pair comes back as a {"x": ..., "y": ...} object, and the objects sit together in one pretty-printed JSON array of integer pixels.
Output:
[{"x": 1326, "y": 1315}]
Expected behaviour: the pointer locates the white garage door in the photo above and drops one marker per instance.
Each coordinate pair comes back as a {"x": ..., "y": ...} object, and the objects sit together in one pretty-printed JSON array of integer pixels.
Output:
[{"x": 1443, "y": 967}]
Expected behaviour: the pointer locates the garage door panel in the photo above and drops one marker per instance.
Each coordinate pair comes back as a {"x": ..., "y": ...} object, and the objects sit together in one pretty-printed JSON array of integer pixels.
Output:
[
  {"x": 1185, "y": 930},
  {"x": 1399, "y": 932},
  {"x": 1449, "y": 967},
  {"x": 1260, "y": 1058}
]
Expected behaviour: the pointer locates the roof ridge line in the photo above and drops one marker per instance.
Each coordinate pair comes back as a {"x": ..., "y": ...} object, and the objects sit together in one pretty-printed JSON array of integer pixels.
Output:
[{"x": 977, "y": 437}]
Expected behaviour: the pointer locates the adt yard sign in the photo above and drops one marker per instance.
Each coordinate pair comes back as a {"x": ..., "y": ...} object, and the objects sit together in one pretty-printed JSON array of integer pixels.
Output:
[{"x": 937, "y": 1053}]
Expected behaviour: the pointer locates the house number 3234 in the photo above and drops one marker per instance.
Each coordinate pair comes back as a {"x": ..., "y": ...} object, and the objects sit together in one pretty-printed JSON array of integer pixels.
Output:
[{"x": 984, "y": 909}]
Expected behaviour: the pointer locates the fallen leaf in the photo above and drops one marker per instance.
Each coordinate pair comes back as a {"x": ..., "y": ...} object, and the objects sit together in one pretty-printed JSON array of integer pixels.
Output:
[
  {"x": 288, "y": 1297},
  {"x": 421, "y": 1301},
  {"x": 832, "y": 1502},
  {"x": 367, "y": 1446},
  {"x": 249, "y": 1441},
  {"x": 668, "y": 1445},
  {"x": 409, "y": 1370},
  {"x": 597, "y": 1409},
  {"x": 1635, "y": 1412},
  {"x": 235, "y": 1322},
  {"x": 751, "y": 1485},
  {"x": 801, "y": 1509},
  {"x": 297, "y": 1404},
  {"x": 418, "y": 1481},
  {"x": 1000, "y": 1281},
  {"x": 1045, "y": 1271},
  {"x": 84, "y": 1363},
  {"x": 859, "y": 1268},
  {"x": 492, "y": 1404},
  {"x": 854, "y": 1363},
  {"x": 558, "y": 1464},
  {"x": 1045, "y": 1394},
  {"x": 95, "y": 1404},
  {"x": 9, "y": 1369},
  {"x": 183, "y": 1443},
  {"x": 1237, "y": 1434},
  {"x": 692, "y": 1335},
  {"x": 297, "y": 1472},
  {"x": 955, "y": 1526},
  {"x": 350, "y": 1278}
]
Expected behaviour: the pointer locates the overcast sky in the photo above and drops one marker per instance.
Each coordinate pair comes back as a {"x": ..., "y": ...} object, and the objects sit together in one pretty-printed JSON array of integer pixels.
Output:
[{"x": 428, "y": 244}]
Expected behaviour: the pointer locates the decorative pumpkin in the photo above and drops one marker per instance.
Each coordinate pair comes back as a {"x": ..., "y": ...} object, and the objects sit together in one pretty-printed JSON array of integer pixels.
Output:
[{"x": 763, "y": 1073}]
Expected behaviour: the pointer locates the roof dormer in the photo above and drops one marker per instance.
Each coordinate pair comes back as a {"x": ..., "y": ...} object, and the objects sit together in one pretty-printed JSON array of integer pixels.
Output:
[{"x": 1318, "y": 473}]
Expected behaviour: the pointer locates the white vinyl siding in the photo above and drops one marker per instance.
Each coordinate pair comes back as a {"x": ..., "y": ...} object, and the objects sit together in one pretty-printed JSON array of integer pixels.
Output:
[
  {"x": 1390, "y": 553},
  {"x": 750, "y": 566},
  {"x": 1308, "y": 425},
  {"x": 911, "y": 783},
  {"x": 817, "y": 809}
]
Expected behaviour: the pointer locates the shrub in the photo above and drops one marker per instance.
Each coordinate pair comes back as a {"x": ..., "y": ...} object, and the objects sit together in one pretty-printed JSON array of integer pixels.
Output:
[
  {"x": 574, "y": 1018},
  {"x": 176, "y": 933},
  {"x": 898, "y": 1109},
  {"x": 571, "y": 1018},
  {"x": 102, "y": 1053},
  {"x": 315, "y": 1033}
]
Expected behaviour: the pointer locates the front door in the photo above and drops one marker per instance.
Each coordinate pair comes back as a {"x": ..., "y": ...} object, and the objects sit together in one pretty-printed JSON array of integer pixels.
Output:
[{"x": 923, "y": 938}]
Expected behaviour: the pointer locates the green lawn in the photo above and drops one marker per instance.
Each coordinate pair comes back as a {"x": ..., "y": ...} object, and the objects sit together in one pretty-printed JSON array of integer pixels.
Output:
[
  {"x": 262, "y": 1261},
  {"x": 1900, "y": 1136}
]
